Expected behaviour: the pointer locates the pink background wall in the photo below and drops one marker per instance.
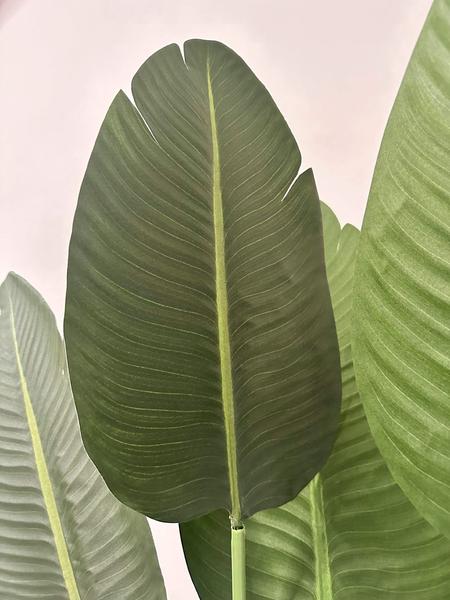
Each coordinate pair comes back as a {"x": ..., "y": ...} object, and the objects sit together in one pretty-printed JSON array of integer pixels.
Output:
[{"x": 332, "y": 67}]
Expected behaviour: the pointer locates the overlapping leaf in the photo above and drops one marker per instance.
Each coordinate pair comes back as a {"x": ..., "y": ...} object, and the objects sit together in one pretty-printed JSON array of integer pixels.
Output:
[
  {"x": 351, "y": 534},
  {"x": 199, "y": 328},
  {"x": 63, "y": 535},
  {"x": 402, "y": 333}
]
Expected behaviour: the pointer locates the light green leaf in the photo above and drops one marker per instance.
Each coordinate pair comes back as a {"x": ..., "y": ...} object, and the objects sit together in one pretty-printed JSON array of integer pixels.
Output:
[
  {"x": 63, "y": 535},
  {"x": 199, "y": 328},
  {"x": 402, "y": 281},
  {"x": 351, "y": 534}
]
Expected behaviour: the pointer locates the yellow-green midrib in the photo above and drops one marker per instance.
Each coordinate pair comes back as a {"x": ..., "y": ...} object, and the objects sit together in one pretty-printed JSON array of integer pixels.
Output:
[{"x": 222, "y": 313}]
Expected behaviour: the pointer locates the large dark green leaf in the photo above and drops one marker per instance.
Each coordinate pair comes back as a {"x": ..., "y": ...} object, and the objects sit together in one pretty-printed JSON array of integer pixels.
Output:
[
  {"x": 351, "y": 534},
  {"x": 199, "y": 328},
  {"x": 402, "y": 311},
  {"x": 63, "y": 535}
]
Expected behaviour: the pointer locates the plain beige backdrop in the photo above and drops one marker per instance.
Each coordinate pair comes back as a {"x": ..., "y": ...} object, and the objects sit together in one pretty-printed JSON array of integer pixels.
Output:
[{"x": 333, "y": 68}]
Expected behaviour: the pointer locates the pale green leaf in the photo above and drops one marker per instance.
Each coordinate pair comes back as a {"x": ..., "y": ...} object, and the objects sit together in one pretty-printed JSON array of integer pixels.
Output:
[
  {"x": 402, "y": 285},
  {"x": 63, "y": 535}
]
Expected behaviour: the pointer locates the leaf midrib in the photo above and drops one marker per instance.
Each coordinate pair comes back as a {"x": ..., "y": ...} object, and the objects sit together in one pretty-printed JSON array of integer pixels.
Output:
[
  {"x": 222, "y": 314},
  {"x": 43, "y": 475},
  {"x": 324, "y": 590}
]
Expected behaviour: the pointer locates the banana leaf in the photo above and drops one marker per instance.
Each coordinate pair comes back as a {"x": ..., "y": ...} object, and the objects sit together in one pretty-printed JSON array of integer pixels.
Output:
[
  {"x": 63, "y": 535},
  {"x": 199, "y": 328}
]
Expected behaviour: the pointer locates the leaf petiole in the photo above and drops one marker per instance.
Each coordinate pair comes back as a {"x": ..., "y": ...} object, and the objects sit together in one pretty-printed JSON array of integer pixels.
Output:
[{"x": 238, "y": 584}]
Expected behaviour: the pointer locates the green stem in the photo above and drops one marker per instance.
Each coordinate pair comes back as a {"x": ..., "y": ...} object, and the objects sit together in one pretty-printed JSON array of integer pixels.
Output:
[{"x": 238, "y": 584}]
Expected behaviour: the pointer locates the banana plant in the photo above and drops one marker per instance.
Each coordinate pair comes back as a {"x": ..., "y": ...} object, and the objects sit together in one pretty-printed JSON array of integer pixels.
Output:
[
  {"x": 352, "y": 533},
  {"x": 401, "y": 335},
  {"x": 199, "y": 329},
  {"x": 63, "y": 535}
]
